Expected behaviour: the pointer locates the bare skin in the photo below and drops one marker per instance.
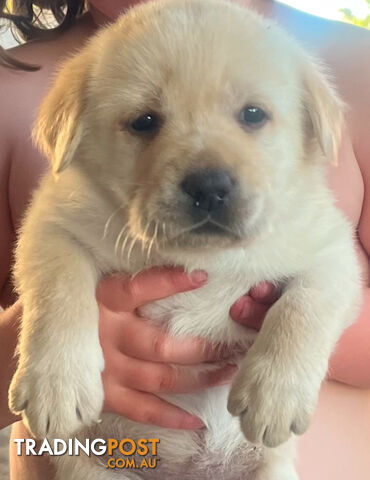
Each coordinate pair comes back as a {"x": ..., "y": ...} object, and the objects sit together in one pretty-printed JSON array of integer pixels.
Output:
[{"x": 343, "y": 47}]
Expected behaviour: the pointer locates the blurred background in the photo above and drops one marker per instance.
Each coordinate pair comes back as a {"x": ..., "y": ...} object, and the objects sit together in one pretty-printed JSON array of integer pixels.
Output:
[{"x": 352, "y": 11}]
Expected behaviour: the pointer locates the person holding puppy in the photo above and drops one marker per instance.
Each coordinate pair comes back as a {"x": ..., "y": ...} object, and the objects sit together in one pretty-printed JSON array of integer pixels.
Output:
[{"x": 140, "y": 341}]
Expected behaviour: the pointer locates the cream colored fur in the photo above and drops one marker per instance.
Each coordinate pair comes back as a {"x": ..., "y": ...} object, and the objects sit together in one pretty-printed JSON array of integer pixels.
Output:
[{"x": 112, "y": 203}]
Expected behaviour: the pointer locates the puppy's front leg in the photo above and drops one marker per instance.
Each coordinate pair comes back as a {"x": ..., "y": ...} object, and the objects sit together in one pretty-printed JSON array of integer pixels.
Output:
[
  {"x": 276, "y": 389},
  {"x": 57, "y": 386}
]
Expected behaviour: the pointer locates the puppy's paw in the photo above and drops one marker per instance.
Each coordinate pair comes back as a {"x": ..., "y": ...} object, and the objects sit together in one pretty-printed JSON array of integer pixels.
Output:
[
  {"x": 56, "y": 400},
  {"x": 271, "y": 400}
]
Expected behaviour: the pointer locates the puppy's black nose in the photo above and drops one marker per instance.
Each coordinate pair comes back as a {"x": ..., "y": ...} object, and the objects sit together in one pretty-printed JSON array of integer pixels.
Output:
[{"x": 209, "y": 188}]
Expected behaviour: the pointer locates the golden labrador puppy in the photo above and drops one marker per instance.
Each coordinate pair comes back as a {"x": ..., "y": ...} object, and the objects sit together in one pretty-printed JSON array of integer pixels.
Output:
[{"x": 189, "y": 133}]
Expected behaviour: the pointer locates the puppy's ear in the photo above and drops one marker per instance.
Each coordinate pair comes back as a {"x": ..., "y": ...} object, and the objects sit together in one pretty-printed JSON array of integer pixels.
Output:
[
  {"x": 58, "y": 130},
  {"x": 324, "y": 108}
]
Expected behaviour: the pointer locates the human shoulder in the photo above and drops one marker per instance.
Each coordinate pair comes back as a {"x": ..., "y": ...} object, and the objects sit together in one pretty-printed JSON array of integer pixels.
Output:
[
  {"x": 16, "y": 85},
  {"x": 349, "y": 59},
  {"x": 20, "y": 95},
  {"x": 347, "y": 53}
]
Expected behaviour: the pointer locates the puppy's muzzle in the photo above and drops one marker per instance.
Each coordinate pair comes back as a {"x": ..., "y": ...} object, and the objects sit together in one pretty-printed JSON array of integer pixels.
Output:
[{"x": 208, "y": 195}]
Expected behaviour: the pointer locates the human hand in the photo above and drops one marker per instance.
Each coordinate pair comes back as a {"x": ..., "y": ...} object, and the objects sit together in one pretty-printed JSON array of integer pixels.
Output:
[
  {"x": 138, "y": 355},
  {"x": 250, "y": 310}
]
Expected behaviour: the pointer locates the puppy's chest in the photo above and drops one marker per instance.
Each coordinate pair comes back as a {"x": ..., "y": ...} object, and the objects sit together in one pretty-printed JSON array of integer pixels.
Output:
[
  {"x": 204, "y": 312},
  {"x": 198, "y": 455},
  {"x": 206, "y": 465}
]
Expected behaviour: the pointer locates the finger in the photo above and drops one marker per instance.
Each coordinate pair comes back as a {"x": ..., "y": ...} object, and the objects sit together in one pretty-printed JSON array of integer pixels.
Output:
[
  {"x": 162, "y": 378},
  {"x": 264, "y": 292},
  {"x": 147, "y": 408},
  {"x": 248, "y": 312},
  {"x": 140, "y": 339},
  {"x": 122, "y": 293}
]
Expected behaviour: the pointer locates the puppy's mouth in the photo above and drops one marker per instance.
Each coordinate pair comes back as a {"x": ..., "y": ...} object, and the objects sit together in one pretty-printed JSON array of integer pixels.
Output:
[
  {"x": 208, "y": 226},
  {"x": 208, "y": 210},
  {"x": 208, "y": 233}
]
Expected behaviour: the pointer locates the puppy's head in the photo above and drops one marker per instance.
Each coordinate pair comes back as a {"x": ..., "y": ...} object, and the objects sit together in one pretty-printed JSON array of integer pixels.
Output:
[{"x": 199, "y": 116}]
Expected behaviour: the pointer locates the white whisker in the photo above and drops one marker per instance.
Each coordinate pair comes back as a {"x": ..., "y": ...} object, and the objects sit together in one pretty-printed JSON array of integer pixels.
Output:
[
  {"x": 134, "y": 240},
  {"x": 124, "y": 244},
  {"x": 152, "y": 242},
  {"x": 145, "y": 238},
  {"x": 110, "y": 218},
  {"x": 119, "y": 238},
  {"x": 164, "y": 233}
]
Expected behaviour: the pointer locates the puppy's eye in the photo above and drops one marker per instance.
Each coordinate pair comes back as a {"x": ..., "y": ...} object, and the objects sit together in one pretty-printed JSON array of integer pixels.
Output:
[
  {"x": 147, "y": 123},
  {"x": 252, "y": 116}
]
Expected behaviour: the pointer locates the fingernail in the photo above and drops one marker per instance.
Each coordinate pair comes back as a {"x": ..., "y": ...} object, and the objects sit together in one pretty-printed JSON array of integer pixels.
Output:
[
  {"x": 242, "y": 308},
  {"x": 198, "y": 423},
  {"x": 198, "y": 276},
  {"x": 246, "y": 310},
  {"x": 261, "y": 291},
  {"x": 237, "y": 308},
  {"x": 193, "y": 422}
]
